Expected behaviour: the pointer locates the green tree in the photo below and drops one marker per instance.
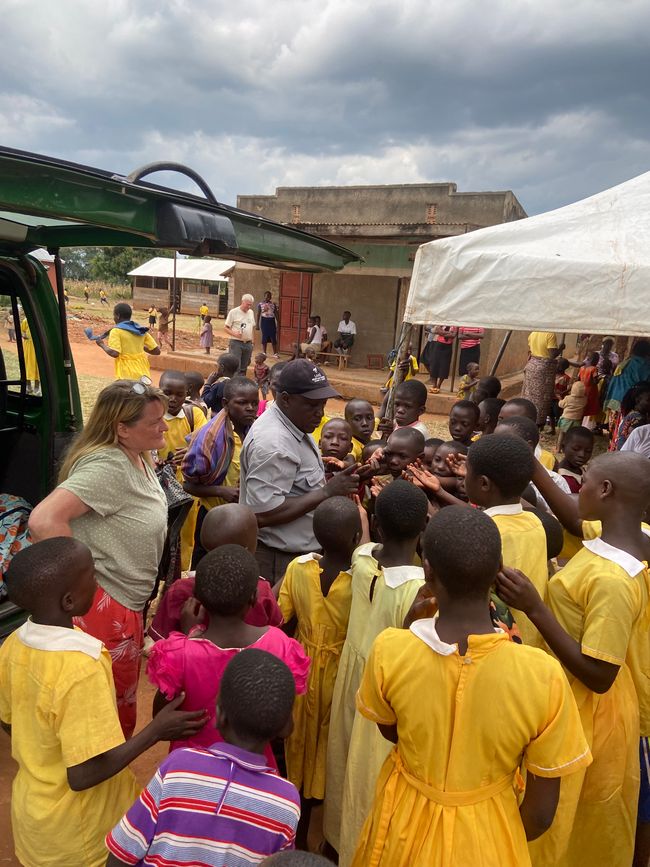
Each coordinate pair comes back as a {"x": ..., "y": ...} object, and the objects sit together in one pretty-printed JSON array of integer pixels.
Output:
[
  {"x": 77, "y": 262},
  {"x": 112, "y": 264}
]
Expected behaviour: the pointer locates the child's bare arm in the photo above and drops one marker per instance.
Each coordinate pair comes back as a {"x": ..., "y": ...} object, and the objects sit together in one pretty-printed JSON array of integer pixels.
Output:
[
  {"x": 114, "y": 861},
  {"x": 564, "y": 506},
  {"x": 170, "y": 724},
  {"x": 538, "y": 808},
  {"x": 517, "y": 591}
]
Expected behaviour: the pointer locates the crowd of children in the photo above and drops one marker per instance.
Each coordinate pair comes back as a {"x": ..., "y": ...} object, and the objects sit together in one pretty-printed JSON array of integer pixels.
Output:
[{"x": 458, "y": 673}]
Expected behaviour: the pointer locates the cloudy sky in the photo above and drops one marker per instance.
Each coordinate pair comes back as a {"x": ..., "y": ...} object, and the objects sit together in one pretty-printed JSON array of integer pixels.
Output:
[{"x": 544, "y": 97}]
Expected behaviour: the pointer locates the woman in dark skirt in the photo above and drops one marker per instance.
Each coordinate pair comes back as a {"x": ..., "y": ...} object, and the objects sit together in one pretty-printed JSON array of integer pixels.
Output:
[{"x": 443, "y": 344}]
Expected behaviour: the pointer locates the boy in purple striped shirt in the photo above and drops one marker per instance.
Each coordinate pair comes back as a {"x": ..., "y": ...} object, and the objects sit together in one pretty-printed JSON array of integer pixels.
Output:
[{"x": 222, "y": 806}]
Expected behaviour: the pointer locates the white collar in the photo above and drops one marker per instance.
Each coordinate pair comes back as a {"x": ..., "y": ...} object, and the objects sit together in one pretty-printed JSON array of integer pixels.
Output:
[
  {"x": 169, "y": 417},
  {"x": 306, "y": 558},
  {"x": 425, "y": 630},
  {"x": 42, "y": 637},
  {"x": 615, "y": 555},
  {"x": 538, "y": 451},
  {"x": 395, "y": 576},
  {"x": 512, "y": 509},
  {"x": 564, "y": 472}
]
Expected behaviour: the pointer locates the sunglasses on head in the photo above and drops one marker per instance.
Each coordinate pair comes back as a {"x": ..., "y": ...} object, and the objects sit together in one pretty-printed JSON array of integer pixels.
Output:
[{"x": 141, "y": 385}]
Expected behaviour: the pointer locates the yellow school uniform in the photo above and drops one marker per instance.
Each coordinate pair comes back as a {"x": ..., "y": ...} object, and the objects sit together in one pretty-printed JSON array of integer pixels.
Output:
[
  {"x": 541, "y": 342},
  {"x": 57, "y": 693},
  {"x": 410, "y": 373},
  {"x": 319, "y": 430},
  {"x": 638, "y": 652},
  {"x": 380, "y": 598},
  {"x": 132, "y": 362},
  {"x": 447, "y": 794},
  {"x": 178, "y": 428},
  {"x": 31, "y": 367},
  {"x": 546, "y": 459},
  {"x": 231, "y": 479},
  {"x": 523, "y": 543},
  {"x": 322, "y": 626},
  {"x": 600, "y": 598}
]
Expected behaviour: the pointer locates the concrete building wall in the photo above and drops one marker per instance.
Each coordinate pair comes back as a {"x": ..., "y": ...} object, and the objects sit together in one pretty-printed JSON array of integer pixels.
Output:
[
  {"x": 372, "y": 302},
  {"x": 406, "y": 204}
]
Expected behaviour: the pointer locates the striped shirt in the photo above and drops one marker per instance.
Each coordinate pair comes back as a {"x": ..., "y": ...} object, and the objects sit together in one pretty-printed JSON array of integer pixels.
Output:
[
  {"x": 216, "y": 807},
  {"x": 470, "y": 337}
]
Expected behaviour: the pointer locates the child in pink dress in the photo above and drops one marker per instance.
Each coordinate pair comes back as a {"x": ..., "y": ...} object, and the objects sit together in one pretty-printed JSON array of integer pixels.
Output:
[{"x": 226, "y": 584}]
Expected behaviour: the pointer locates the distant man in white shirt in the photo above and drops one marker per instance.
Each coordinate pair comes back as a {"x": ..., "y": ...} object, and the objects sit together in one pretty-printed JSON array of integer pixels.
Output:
[
  {"x": 240, "y": 326},
  {"x": 347, "y": 331}
]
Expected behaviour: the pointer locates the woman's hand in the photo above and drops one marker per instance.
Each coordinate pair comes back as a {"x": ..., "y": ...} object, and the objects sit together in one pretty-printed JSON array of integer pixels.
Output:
[{"x": 517, "y": 590}]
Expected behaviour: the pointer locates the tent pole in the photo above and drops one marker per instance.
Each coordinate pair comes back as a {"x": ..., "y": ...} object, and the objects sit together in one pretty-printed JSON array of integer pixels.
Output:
[
  {"x": 454, "y": 362},
  {"x": 502, "y": 349},
  {"x": 402, "y": 355}
]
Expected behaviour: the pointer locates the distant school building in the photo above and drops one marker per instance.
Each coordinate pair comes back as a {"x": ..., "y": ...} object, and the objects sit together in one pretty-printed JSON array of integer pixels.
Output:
[
  {"x": 198, "y": 281},
  {"x": 384, "y": 225}
]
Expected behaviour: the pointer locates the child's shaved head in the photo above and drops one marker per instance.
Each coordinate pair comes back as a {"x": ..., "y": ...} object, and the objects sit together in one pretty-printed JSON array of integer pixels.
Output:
[{"x": 230, "y": 524}]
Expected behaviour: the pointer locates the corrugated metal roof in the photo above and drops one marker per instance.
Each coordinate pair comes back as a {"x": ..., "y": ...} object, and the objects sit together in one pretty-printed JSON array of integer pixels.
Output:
[{"x": 186, "y": 269}]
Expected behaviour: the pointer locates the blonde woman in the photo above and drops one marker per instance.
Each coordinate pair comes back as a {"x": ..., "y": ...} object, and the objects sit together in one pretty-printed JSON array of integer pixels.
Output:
[{"x": 109, "y": 497}]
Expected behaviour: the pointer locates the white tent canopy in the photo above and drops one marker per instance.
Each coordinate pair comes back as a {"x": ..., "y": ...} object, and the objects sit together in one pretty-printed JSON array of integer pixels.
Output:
[{"x": 582, "y": 268}]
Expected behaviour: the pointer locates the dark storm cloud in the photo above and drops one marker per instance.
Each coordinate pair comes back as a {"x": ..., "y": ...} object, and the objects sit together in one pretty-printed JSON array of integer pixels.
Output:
[{"x": 548, "y": 101}]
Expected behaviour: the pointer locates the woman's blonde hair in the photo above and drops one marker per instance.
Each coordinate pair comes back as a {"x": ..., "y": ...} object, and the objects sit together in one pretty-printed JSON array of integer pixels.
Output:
[{"x": 123, "y": 401}]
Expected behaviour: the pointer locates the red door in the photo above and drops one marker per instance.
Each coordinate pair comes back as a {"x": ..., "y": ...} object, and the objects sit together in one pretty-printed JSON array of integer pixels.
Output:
[{"x": 295, "y": 307}]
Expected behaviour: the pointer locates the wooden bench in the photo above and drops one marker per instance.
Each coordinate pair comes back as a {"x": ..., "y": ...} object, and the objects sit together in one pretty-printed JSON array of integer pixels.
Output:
[{"x": 342, "y": 360}]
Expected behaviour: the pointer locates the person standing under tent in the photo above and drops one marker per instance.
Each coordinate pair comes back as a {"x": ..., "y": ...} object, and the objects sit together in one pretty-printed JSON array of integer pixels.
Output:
[{"x": 539, "y": 373}]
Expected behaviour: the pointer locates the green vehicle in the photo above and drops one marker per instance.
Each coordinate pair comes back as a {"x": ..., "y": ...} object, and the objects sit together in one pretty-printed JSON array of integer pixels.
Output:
[{"x": 49, "y": 203}]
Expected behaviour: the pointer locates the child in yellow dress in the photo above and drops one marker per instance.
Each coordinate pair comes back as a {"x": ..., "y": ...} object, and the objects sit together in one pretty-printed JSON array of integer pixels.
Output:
[
  {"x": 182, "y": 420},
  {"x": 465, "y": 708},
  {"x": 596, "y": 623},
  {"x": 32, "y": 375},
  {"x": 498, "y": 469},
  {"x": 384, "y": 585},
  {"x": 315, "y": 599}
]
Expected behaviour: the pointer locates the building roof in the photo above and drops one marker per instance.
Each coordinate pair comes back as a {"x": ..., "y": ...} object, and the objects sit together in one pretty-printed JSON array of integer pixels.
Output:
[{"x": 207, "y": 270}]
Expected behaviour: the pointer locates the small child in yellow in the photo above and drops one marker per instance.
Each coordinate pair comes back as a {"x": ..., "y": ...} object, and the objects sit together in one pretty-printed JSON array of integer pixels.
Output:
[
  {"x": 596, "y": 623},
  {"x": 32, "y": 375},
  {"x": 129, "y": 344},
  {"x": 465, "y": 708},
  {"x": 315, "y": 599},
  {"x": 384, "y": 584},
  {"x": 469, "y": 382},
  {"x": 57, "y": 702},
  {"x": 498, "y": 470},
  {"x": 182, "y": 420}
]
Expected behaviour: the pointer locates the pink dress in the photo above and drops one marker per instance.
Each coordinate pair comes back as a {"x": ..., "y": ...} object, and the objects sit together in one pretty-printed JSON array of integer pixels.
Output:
[
  {"x": 265, "y": 612},
  {"x": 196, "y": 666}
]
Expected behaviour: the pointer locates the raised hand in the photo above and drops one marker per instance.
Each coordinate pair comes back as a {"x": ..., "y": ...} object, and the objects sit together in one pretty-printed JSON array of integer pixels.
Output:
[
  {"x": 457, "y": 463},
  {"x": 517, "y": 590},
  {"x": 423, "y": 478},
  {"x": 193, "y": 614}
]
